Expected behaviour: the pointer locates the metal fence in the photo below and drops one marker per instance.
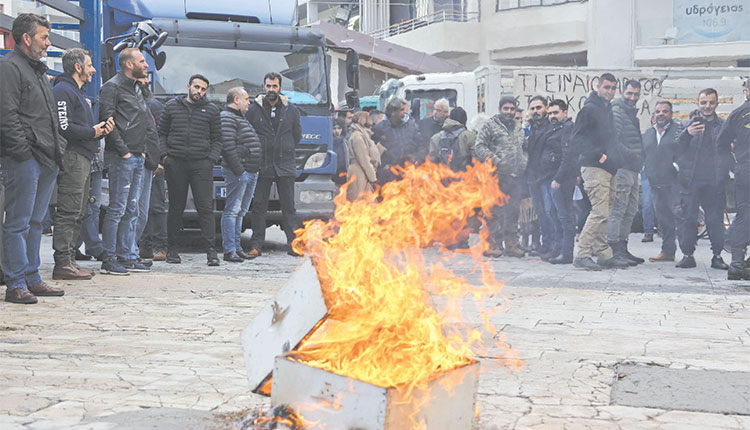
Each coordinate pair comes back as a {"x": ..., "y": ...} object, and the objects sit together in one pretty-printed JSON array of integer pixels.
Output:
[
  {"x": 518, "y": 4},
  {"x": 423, "y": 21}
]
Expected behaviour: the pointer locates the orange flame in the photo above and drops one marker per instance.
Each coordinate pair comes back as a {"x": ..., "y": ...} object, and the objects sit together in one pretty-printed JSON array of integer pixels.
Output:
[{"x": 395, "y": 309}]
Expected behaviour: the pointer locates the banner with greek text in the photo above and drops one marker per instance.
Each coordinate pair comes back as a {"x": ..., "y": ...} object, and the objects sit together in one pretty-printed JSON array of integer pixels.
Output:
[
  {"x": 574, "y": 86},
  {"x": 709, "y": 21}
]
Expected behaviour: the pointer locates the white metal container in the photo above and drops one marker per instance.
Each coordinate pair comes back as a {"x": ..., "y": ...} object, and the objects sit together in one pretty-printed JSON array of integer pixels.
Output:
[
  {"x": 278, "y": 328},
  {"x": 342, "y": 403}
]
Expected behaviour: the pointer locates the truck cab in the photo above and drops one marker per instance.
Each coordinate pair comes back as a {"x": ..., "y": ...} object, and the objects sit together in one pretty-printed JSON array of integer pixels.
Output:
[{"x": 234, "y": 44}]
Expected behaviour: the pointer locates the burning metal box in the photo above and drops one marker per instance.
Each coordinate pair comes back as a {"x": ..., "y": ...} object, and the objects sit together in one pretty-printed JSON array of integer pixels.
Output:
[
  {"x": 343, "y": 403},
  {"x": 296, "y": 310}
]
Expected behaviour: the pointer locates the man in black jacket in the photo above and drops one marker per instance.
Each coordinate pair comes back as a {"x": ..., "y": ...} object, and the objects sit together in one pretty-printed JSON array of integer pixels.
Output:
[
  {"x": 126, "y": 147},
  {"x": 399, "y": 135},
  {"x": 560, "y": 172},
  {"x": 539, "y": 187},
  {"x": 703, "y": 174},
  {"x": 241, "y": 156},
  {"x": 627, "y": 188},
  {"x": 594, "y": 138},
  {"x": 76, "y": 123},
  {"x": 659, "y": 146},
  {"x": 32, "y": 148},
  {"x": 191, "y": 130},
  {"x": 735, "y": 134},
  {"x": 277, "y": 123}
]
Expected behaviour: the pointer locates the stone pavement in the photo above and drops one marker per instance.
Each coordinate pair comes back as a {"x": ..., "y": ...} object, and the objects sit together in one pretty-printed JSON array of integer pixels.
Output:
[{"x": 162, "y": 350}]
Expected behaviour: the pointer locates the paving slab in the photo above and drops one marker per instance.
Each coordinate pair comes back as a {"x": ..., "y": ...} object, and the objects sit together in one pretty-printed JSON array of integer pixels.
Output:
[{"x": 163, "y": 349}]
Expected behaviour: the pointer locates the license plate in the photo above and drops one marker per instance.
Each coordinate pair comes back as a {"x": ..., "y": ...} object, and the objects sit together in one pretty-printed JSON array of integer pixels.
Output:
[{"x": 221, "y": 192}]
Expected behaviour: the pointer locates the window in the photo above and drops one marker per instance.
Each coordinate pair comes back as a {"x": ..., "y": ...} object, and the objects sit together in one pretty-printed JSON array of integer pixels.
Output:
[{"x": 517, "y": 4}]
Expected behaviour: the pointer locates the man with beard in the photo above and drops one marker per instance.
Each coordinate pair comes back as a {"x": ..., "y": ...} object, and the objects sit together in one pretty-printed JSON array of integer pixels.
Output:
[
  {"x": 76, "y": 123},
  {"x": 659, "y": 150},
  {"x": 399, "y": 135},
  {"x": 735, "y": 134},
  {"x": 126, "y": 146},
  {"x": 32, "y": 153},
  {"x": 559, "y": 174},
  {"x": 593, "y": 137},
  {"x": 702, "y": 175},
  {"x": 191, "y": 130},
  {"x": 627, "y": 189},
  {"x": 539, "y": 187},
  {"x": 277, "y": 123},
  {"x": 500, "y": 140}
]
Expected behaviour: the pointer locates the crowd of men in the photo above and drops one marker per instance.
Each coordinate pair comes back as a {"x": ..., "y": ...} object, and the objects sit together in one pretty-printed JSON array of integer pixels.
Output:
[
  {"x": 52, "y": 140},
  {"x": 599, "y": 161}
]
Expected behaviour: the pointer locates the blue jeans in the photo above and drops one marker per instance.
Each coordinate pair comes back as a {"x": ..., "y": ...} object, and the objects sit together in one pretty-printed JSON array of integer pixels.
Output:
[
  {"x": 90, "y": 224},
  {"x": 144, "y": 202},
  {"x": 545, "y": 221},
  {"x": 647, "y": 205},
  {"x": 30, "y": 186},
  {"x": 240, "y": 191},
  {"x": 563, "y": 200},
  {"x": 120, "y": 222}
]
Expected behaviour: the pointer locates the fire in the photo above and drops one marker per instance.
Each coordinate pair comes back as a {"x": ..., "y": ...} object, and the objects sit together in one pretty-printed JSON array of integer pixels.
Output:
[
  {"x": 395, "y": 307},
  {"x": 280, "y": 415}
]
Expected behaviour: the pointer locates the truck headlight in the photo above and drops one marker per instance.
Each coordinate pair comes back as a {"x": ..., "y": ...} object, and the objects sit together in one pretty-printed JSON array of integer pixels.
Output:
[
  {"x": 315, "y": 161},
  {"x": 309, "y": 196}
]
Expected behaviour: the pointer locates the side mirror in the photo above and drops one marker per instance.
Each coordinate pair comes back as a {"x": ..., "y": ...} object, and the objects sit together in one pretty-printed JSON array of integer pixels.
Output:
[
  {"x": 352, "y": 71},
  {"x": 159, "y": 60},
  {"x": 352, "y": 100}
]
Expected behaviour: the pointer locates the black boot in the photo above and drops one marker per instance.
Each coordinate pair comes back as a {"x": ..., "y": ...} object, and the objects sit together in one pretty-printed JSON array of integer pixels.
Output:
[
  {"x": 738, "y": 271},
  {"x": 687, "y": 262},
  {"x": 619, "y": 256},
  {"x": 631, "y": 257},
  {"x": 718, "y": 263},
  {"x": 212, "y": 258}
]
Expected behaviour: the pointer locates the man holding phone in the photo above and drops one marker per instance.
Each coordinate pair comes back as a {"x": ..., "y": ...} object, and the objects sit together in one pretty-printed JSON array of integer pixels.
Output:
[{"x": 703, "y": 170}]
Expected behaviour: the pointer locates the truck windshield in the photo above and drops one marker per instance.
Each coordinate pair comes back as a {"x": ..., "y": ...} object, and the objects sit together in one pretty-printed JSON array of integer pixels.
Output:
[{"x": 303, "y": 71}]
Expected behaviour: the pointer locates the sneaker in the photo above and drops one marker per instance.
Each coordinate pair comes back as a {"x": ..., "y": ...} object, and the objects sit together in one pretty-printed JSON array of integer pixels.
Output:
[
  {"x": 82, "y": 257},
  {"x": 135, "y": 266},
  {"x": 112, "y": 267},
  {"x": 173, "y": 257},
  {"x": 233, "y": 257},
  {"x": 648, "y": 237},
  {"x": 738, "y": 271},
  {"x": 145, "y": 262}
]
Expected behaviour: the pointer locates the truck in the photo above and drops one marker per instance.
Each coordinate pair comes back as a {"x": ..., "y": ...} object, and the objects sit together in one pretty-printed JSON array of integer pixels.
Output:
[
  {"x": 233, "y": 43},
  {"x": 479, "y": 91}
]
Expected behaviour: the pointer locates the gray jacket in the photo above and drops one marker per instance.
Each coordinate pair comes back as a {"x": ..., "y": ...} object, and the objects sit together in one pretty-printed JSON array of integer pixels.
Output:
[
  {"x": 28, "y": 112},
  {"x": 628, "y": 137}
]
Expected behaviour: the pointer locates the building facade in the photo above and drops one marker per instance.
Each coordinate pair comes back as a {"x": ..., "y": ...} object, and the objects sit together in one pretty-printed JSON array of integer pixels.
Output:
[{"x": 594, "y": 33}]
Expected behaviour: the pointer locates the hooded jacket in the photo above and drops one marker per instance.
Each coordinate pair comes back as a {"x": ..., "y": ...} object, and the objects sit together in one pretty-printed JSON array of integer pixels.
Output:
[
  {"x": 240, "y": 145},
  {"x": 628, "y": 135},
  {"x": 191, "y": 131},
  {"x": 75, "y": 116},
  {"x": 277, "y": 144},
  {"x": 503, "y": 145},
  {"x": 28, "y": 115},
  {"x": 462, "y": 152},
  {"x": 593, "y": 134}
]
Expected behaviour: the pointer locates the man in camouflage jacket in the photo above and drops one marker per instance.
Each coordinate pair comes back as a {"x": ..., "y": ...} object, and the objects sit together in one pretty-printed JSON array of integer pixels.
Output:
[{"x": 501, "y": 140}]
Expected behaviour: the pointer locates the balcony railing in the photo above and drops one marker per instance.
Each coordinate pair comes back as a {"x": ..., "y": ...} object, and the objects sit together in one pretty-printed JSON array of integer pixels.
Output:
[{"x": 423, "y": 21}]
